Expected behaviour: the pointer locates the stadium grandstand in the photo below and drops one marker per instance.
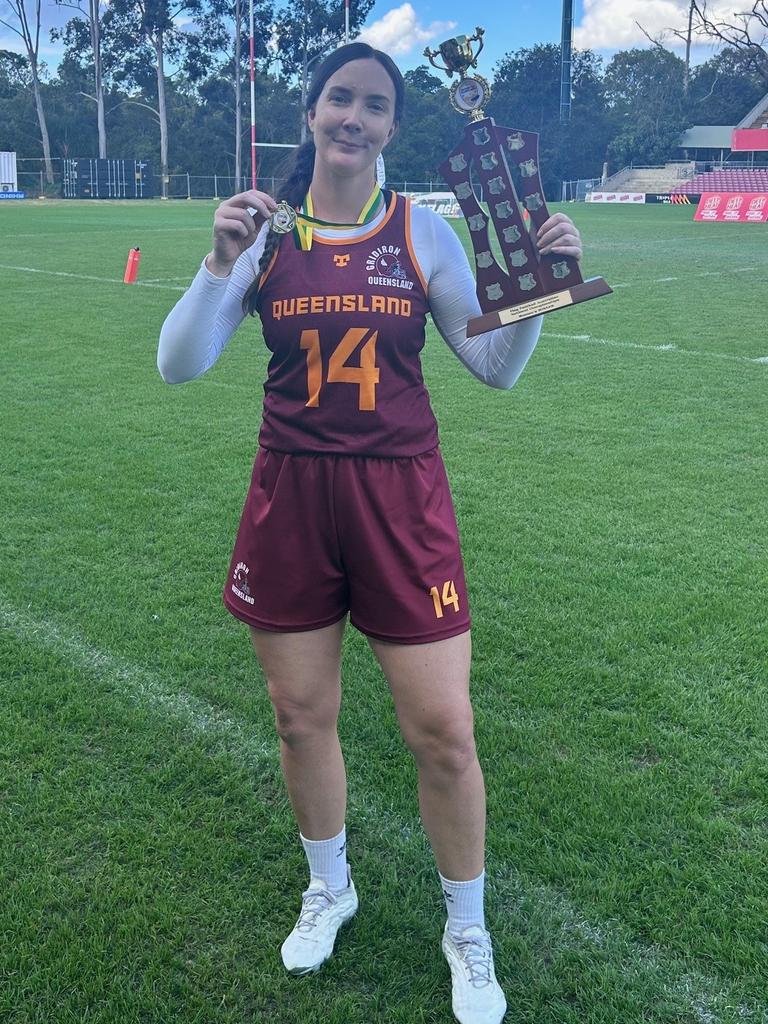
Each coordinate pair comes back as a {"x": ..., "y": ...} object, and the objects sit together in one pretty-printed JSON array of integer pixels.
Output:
[
  {"x": 717, "y": 158},
  {"x": 740, "y": 179}
]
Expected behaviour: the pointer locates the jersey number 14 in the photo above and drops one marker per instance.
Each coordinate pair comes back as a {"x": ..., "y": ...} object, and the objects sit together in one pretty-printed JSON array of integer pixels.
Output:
[
  {"x": 366, "y": 375},
  {"x": 441, "y": 601}
]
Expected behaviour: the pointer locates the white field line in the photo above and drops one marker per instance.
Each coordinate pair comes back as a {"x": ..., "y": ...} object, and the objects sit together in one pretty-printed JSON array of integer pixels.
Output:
[
  {"x": 685, "y": 277},
  {"x": 88, "y": 277},
  {"x": 611, "y": 343},
  {"x": 105, "y": 231},
  {"x": 138, "y": 685},
  {"x": 707, "y": 997}
]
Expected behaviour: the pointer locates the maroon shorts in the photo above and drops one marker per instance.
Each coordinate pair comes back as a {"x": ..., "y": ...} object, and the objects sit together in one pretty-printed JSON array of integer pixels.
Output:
[{"x": 323, "y": 535}]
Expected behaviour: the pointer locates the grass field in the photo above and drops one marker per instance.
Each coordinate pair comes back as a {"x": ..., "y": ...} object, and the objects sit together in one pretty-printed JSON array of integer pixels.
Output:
[{"x": 614, "y": 520}]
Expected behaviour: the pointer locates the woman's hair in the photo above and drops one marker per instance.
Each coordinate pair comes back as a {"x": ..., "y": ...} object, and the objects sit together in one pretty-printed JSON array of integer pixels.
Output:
[{"x": 299, "y": 167}]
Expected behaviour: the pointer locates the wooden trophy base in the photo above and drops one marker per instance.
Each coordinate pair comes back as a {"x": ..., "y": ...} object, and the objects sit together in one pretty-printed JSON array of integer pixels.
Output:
[{"x": 590, "y": 289}]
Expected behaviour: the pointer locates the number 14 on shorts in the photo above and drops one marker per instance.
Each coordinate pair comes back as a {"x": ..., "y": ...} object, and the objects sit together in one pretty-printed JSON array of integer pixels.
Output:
[{"x": 441, "y": 600}]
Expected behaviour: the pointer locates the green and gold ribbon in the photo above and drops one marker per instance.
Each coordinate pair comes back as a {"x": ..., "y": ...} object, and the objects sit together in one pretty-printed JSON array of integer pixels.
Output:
[{"x": 302, "y": 222}]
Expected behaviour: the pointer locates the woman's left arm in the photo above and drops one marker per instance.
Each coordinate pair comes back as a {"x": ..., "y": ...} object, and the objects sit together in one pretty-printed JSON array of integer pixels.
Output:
[{"x": 498, "y": 357}]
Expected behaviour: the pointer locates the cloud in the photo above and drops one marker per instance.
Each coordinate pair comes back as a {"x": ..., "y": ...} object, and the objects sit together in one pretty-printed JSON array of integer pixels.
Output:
[
  {"x": 399, "y": 31},
  {"x": 612, "y": 24}
]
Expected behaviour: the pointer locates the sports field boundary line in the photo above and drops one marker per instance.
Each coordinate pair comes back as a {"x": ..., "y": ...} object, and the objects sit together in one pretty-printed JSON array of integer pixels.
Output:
[
  {"x": 88, "y": 277},
  {"x": 155, "y": 282},
  {"x": 687, "y": 277},
  {"x": 202, "y": 228},
  {"x": 614, "y": 343},
  {"x": 707, "y": 997}
]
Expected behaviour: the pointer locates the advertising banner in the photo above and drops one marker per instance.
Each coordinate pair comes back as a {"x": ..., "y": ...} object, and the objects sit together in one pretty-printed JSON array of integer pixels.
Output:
[
  {"x": 616, "y": 197},
  {"x": 441, "y": 202},
  {"x": 753, "y": 140},
  {"x": 673, "y": 198},
  {"x": 736, "y": 207}
]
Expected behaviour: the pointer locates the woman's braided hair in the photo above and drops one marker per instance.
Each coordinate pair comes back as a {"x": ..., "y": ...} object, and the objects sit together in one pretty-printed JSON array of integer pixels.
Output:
[
  {"x": 293, "y": 191},
  {"x": 301, "y": 165}
]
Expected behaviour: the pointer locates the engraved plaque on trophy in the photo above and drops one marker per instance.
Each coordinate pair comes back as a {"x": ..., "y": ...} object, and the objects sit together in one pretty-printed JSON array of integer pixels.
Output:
[{"x": 532, "y": 283}]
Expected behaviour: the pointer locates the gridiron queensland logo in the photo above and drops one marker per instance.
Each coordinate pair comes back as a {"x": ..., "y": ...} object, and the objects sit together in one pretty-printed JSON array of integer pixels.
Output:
[
  {"x": 385, "y": 268},
  {"x": 240, "y": 583}
]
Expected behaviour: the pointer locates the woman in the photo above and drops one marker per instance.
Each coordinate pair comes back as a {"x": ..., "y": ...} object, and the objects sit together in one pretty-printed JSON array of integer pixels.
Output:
[{"x": 349, "y": 510}]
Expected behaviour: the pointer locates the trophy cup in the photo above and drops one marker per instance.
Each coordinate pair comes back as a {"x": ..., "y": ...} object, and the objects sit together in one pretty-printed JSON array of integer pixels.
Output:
[{"x": 534, "y": 284}]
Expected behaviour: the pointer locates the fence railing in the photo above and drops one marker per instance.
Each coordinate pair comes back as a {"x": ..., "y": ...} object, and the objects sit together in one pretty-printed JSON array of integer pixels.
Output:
[
  {"x": 576, "y": 191},
  {"x": 206, "y": 186},
  {"x": 185, "y": 185}
]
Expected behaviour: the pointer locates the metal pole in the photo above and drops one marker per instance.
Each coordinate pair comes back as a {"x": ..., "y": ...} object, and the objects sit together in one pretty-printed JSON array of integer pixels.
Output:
[
  {"x": 346, "y": 21},
  {"x": 565, "y": 62},
  {"x": 253, "y": 102}
]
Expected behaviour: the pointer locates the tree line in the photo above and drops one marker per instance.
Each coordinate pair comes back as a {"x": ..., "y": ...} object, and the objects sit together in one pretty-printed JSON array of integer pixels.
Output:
[{"x": 167, "y": 82}]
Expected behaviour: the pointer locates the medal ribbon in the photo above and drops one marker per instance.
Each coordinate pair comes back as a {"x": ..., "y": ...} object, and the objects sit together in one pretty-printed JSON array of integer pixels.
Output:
[{"x": 306, "y": 220}]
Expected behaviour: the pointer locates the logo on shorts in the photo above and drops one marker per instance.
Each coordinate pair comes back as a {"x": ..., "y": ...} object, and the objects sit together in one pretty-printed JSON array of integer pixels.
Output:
[
  {"x": 240, "y": 586},
  {"x": 385, "y": 268}
]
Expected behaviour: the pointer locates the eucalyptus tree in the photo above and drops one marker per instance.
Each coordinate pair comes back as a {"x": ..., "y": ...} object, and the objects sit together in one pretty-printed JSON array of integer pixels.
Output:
[
  {"x": 90, "y": 18},
  {"x": 16, "y": 105},
  {"x": 26, "y": 24},
  {"x": 149, "y": 36},
  {"x": 645, "y": 93},
  {"x": 724, "y": 88},
  {"x": 237, "y": 14},
  {"x": 685, "y": 36},
  {"x": 305, "y": 31},
  {"x": 525, "y": 94},
  {"x": 746, "y": 31}
]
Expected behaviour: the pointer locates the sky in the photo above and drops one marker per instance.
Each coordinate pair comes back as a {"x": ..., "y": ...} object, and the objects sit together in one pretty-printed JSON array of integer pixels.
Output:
[{"x": 403, "y": 29}]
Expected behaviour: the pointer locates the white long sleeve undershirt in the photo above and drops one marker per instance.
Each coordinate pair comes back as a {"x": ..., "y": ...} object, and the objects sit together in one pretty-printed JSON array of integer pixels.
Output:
[{"x": 201, "y": 324}]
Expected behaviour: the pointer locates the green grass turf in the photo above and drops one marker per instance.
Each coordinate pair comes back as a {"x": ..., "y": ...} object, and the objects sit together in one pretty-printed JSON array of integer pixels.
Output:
[{"x": 613, "y": 514}]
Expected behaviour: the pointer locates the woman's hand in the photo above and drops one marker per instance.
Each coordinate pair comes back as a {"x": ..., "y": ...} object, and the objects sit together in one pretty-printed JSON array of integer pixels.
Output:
[
  {"x": 559, "y": 235},
  {"x": 235, "y": 228}
]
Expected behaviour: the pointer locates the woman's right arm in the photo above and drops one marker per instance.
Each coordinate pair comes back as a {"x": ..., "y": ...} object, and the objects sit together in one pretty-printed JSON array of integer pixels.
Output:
[{"x": 198, "y": 328}]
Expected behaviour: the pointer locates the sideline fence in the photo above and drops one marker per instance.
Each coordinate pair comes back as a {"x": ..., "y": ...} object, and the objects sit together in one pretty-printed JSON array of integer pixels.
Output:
[
  {"x": 195, "y": 186},
  {"x": 576, "y": 191}
]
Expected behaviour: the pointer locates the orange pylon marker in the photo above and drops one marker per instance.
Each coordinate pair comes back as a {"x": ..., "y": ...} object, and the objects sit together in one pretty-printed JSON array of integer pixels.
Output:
[{"x": 132, "y": 266}]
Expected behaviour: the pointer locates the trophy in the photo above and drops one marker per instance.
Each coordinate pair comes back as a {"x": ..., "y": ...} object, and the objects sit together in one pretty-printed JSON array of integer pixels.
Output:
[{"x": 533, "y": 283}]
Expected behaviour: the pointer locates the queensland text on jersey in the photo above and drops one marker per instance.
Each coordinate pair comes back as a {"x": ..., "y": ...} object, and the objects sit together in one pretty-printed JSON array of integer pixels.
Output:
[{"x": 345, "y": 322}]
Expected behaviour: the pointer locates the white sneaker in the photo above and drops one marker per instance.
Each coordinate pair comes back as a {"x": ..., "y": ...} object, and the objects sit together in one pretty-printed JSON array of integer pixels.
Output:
[
  {"x": 322, "y": 914},
  {"x": 477, "y": 996}
]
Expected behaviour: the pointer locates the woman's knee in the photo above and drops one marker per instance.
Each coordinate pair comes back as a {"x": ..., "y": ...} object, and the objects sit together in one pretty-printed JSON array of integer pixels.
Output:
[
  {"x": 446, "y": 749},
  {"x": 299, "y": 722}
]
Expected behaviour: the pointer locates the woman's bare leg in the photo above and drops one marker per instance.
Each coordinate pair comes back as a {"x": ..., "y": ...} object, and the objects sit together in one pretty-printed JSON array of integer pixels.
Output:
[
  {"x": 430, "y": 687},
  {"x": 303, "y": 672}
]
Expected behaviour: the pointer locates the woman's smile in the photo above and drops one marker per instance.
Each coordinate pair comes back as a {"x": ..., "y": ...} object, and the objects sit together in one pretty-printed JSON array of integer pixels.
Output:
[{"x": 348, "y": 144}]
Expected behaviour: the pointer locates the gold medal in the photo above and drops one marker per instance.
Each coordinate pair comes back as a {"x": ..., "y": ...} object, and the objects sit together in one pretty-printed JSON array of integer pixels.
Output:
[{"x": 283, "y": 220}]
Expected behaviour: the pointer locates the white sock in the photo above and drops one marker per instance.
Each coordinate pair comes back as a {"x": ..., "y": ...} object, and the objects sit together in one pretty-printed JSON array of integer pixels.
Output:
[
  {"x": 464, "y": 903},
  {"x": 327, "y": 860}
]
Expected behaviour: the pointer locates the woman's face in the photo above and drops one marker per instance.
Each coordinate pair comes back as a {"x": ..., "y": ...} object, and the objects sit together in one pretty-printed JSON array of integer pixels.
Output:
[{"x": 354, "y": 117}]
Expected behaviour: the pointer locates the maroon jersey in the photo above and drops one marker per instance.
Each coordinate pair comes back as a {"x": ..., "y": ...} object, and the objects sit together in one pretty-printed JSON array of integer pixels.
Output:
[{"x": 345, "y": 325}]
